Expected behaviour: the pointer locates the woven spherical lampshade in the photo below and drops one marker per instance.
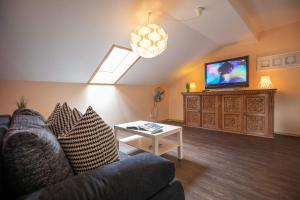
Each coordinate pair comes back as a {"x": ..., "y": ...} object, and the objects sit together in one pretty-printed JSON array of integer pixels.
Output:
[{"x": 148, "y": 40}]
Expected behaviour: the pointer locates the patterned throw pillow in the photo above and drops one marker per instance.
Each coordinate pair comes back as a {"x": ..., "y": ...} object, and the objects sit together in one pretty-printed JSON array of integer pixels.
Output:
[
  {"x": 75, "y": 117},
  {"x": 60, "y": 122},
  {"x": 54, "y": 113},
  {"x": 90, "y": 143}
]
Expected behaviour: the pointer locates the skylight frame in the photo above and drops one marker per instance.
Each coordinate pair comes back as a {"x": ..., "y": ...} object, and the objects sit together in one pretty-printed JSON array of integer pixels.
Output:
[{"x": 103, "y": 61}]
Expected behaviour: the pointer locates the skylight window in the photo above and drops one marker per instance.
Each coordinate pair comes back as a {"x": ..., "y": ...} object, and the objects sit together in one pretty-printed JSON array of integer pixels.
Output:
[{"x": 115, "y": 64}]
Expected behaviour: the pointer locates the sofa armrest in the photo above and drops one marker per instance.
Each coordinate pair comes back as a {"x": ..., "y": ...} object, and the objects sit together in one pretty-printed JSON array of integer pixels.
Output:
[
  {"x": 5, "y": 120},
  {"x": 138, "y": 177},
  {"x": 174, "y": 191},
  {"x": 4, "y": 126}
]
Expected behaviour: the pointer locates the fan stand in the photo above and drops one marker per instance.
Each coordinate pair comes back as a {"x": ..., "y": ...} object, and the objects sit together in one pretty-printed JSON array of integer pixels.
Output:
[{"x": 155, "y": 112}]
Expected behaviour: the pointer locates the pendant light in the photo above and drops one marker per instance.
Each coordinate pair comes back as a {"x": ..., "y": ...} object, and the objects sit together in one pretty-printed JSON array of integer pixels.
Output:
[{"x": 148, "y": 40}]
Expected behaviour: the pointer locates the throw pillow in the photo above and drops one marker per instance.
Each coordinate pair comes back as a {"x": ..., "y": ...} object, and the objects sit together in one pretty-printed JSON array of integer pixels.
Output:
[
  {"x": 28, "y": 112},
  {"x": 90, "y": 143},
  {"x": 60, "y": 122},
  {"x": 75, "y": 116},
  {"x": 33, "y": 159},
  {"x": 54, "y": 113}
]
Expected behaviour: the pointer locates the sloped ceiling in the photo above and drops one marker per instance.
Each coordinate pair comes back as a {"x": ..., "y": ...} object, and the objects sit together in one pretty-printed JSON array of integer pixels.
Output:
[
  {"x": 64, "y": 41},
  {"x": 268, "y": 14}
]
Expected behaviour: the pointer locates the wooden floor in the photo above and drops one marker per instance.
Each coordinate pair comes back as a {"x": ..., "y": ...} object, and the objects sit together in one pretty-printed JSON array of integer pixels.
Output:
[{"x": 222, "y": 166}]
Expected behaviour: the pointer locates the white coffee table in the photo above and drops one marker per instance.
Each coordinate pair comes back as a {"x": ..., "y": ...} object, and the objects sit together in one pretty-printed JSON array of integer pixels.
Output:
[{"x": 146, "y": 141}]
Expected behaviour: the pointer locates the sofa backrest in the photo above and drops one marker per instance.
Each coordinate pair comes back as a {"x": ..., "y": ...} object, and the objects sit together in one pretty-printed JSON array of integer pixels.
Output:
[
  {"x": 32, "y": 156},
  {"x": 4, "y": 124}
]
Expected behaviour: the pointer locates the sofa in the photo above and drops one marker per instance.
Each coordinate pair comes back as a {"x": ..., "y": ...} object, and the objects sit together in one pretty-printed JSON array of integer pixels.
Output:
[{"x": 33, "y": 166}]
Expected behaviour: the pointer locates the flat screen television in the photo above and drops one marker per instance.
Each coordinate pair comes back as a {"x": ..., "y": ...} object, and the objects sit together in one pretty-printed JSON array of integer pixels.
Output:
[{"x": 227, "y": 73}]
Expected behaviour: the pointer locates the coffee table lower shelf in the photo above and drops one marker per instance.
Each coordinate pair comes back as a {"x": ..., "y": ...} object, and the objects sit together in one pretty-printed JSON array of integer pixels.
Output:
[{"x": 145, "y": 144}]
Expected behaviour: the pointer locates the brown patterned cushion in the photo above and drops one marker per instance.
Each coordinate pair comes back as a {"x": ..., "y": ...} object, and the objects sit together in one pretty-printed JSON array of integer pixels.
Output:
[
  {"x": 90, "y": 143},
  {"x": 54, "y": 113},
  {"x": 60, "y": 122},
  {"x": 75, "y": 117}
]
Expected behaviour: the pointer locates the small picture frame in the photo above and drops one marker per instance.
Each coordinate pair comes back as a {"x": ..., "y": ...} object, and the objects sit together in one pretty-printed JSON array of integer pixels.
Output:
[
  {"x": 285, "y": 60},
  {"x": 277, "y": 61},
  {"x": 291, "y": 60}
]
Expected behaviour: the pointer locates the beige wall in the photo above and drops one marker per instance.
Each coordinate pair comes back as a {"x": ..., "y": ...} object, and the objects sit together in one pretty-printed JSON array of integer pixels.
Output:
[
  {"x": 287, "y": 81},
  {"x": 115, "y": 104},
  {"x": 118, "y": 104}
]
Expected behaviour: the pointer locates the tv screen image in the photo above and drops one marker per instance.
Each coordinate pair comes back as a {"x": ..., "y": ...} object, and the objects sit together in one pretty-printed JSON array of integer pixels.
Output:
[{"x": 227, "y": 73}]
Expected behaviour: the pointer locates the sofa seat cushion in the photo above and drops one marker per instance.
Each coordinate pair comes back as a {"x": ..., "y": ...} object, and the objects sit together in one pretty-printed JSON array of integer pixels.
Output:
[
  {"x": 33, "y": 159},
  {"x": 139, "y": 177},
  {"x": 123, "y": 156}
]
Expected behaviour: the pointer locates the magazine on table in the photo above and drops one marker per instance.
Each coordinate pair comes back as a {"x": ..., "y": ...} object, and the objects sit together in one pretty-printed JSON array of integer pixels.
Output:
[{"x": 149, "y": 127}]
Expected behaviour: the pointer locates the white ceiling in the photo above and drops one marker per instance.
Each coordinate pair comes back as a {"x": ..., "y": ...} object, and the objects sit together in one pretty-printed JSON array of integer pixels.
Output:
[
  {"x": 219, "y": 21},
  {"x": 267, "y": 14},
  {"x": 64, "y": 41}
]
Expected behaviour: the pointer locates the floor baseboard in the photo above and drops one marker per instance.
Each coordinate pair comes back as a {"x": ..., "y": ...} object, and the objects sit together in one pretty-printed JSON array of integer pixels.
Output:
[
  {"x": 287, "y": 134},
  {"x": 172, "y": 120},
  {"x": 181, "y": 122}
]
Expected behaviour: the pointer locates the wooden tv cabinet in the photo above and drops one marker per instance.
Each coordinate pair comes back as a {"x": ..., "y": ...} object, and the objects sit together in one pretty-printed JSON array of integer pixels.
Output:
[{"x": 249, "y": 112}]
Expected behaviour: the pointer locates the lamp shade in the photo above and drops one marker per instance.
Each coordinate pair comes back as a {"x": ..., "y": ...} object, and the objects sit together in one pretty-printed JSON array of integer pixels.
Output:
[
  {"x": 148, "y": 40},
  {"x": 265, "y": 82},
  {"x": 193, "y": 85}
]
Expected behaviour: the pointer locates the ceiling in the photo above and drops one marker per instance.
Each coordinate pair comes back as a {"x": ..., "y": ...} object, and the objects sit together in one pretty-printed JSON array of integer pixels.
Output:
[
  {"x": 268, "y": 14},
  {"x": 64, "y": 41},
  {"x": 219, "y": 22}
]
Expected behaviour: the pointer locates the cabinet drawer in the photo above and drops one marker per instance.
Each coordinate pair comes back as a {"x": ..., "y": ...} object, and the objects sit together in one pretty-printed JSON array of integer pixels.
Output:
[
  {"x": 210, "y": 103},
  {"x": 255, "y": 125},
  {"x": 257, "y": 115},
  {"x": 256, "y": 104},
  {"x": 210, "y": 120},
  {"x": 232, "y": 113},
  {"x": 193, "y": 118},
  {"x": 232, "y": 122},
  {"x": 210, "y": 111},
  {"x": 193, "y": 103}
]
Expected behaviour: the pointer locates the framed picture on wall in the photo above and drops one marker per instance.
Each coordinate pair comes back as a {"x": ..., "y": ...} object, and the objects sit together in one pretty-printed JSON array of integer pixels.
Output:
[{"x": 278, "y": 61}]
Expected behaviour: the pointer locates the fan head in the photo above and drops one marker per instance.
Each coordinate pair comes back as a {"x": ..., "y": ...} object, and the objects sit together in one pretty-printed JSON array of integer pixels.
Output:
[{"x": 159, "y": 94}]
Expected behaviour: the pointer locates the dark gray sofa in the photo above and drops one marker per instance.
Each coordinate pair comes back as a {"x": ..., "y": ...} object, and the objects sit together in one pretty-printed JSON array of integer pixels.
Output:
[{"x": 140, "y": 177}]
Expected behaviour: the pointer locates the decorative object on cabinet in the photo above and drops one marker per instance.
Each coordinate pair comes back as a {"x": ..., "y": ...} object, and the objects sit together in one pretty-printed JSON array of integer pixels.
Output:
[
  {"x": 265, "y": 82},
  {"x": 189, "y": 86},
  {"x": 193, "y": 85}
]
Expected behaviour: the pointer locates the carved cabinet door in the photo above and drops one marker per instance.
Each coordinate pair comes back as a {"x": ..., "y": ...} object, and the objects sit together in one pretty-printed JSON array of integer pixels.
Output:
[
  {"x": 210, "y": 111},
  {"x": 256, "y": 114},
  {"x": 193, "y": 103},
  {"x": 232, "y": 113},
  {"x": 192, "y": 111},
  {"x": 193, "y": 118}
]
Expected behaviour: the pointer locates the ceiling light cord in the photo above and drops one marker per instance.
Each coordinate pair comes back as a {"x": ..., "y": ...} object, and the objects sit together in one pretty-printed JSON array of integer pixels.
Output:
[{"x": 149, "y": 15}]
